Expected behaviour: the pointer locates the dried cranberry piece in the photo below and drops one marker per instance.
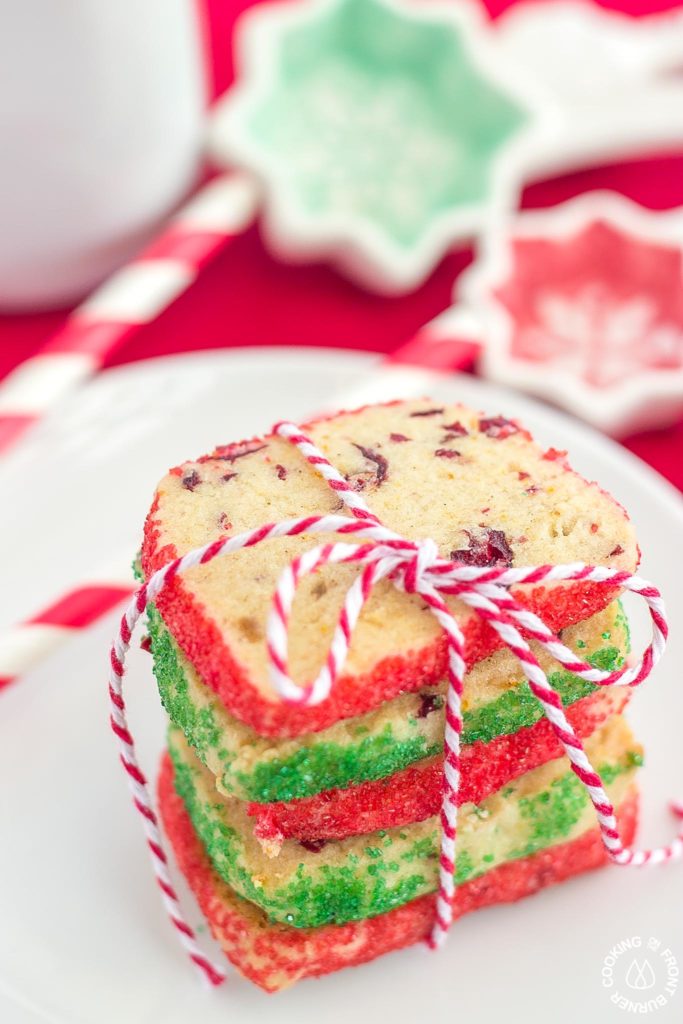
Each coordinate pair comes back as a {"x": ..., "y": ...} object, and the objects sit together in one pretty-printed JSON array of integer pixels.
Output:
[
  {"x": 398, "y": 437},
  {"x": 488, "y": 549},
  {"x": 447, "y": 453},
  {"x": 313, "y": 845},
  {"x": 191, "y": 480},
  {"x": 618, "y": 550},
  {"x": 281, "y": 472},
  {"x": 554, "y": 454},
  {"x": 521, "y": 475},
  {"x": 232, "y": 452},
  {"x": 456, "y": 429},
  {"x": 228, "y": 476},
  {"x": 372, "y": 456},
  {"x": 429, "y": 702},
  {"x": 427, "y": 412},
  {"x": 498, "y": 427}
]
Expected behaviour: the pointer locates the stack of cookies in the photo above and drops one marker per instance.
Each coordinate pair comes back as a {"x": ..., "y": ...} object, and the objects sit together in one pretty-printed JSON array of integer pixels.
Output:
[{"x": 310, "y": 835}]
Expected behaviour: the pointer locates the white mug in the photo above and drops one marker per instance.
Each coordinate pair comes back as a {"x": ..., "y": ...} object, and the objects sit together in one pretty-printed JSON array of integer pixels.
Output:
[{"x": 101, "y": 121}]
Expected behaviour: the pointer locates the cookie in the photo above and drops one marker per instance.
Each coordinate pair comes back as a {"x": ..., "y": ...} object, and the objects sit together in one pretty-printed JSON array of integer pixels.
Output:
[
  {"x": 497, "y": 701},
  {"x": 477, "y": 485},
  {"x": 310, "y": 884},
  {"x": 416, "y": 792},
  {"x": 275, "y": 956}
]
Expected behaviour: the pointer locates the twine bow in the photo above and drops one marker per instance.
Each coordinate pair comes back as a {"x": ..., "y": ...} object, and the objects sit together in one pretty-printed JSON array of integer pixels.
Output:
[{"x": 417, "y": 568}]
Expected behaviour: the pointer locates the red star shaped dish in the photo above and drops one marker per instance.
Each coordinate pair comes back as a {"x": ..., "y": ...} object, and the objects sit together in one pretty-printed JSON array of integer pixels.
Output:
[{"x": 582, "y": 304}]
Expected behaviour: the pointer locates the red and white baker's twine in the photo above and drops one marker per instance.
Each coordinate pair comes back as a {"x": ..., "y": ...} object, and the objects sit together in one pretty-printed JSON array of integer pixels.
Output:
[{"x": 417, "y": 568}]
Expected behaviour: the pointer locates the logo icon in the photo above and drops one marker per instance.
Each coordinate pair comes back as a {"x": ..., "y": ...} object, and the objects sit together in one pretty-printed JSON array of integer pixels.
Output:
[{"x": 640, "y": 976}]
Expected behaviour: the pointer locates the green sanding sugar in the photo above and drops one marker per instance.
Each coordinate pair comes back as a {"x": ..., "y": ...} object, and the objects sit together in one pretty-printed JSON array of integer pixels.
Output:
[
  {"x": 634, "y": 759},
  {"x": 308, "y": 770},
  {"x": 552, "y": 813},
  {"x": 313, "y": 769},
  {"x": 518, "y": 708},
  {"x": 318, "y": 765},
  {"x": 198, "y": 724},
  {"x": 374, "y": 876},
  {"x": 349, "y": 892}
]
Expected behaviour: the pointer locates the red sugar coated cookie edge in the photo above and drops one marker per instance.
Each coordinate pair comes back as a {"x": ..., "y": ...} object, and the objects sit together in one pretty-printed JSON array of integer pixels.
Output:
[
  {"x": 274, "y": 956},
  {"x": 203, "y": 643},
  {"x": 414, "y": 793}
]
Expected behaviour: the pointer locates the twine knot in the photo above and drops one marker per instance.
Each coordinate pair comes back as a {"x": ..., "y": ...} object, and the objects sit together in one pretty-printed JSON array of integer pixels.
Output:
[{"x": 413, "y": 570}]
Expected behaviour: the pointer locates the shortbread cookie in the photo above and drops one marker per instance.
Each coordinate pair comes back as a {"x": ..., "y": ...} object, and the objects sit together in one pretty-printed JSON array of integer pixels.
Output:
[
  {"x": 275, "y": 956},
  {"x": 477, "y": 485},
  {"x": 497, "y": 701},
  {"x": 415, "y": 793},
  {"x": 309, "y": 884}
]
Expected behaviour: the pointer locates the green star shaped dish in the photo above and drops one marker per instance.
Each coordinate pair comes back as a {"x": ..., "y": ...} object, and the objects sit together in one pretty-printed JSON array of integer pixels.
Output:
[{"x": 380, "y": 131}]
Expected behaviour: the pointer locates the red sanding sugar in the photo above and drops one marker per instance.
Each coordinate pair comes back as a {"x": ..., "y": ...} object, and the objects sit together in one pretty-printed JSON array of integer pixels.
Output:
[
  {"x": 274, "y": 956},
  {"x": 415, "y": 793}
]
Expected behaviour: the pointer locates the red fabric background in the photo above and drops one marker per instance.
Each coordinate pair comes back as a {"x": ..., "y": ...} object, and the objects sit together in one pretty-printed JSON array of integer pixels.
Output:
[{"x": 315, "y": 306}]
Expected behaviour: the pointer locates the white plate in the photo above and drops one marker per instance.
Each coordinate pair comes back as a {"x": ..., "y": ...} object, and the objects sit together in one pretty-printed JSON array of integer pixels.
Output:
[{"x": 83, "y": 938}]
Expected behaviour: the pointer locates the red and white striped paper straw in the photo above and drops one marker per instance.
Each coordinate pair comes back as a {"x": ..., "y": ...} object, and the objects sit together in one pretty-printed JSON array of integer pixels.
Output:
[
  {"x": 24, "y": 645},
  {"x": 135, "y": 295},
  {"x": 449, "y": 343},
  {"x": 446, "y": 344}
]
